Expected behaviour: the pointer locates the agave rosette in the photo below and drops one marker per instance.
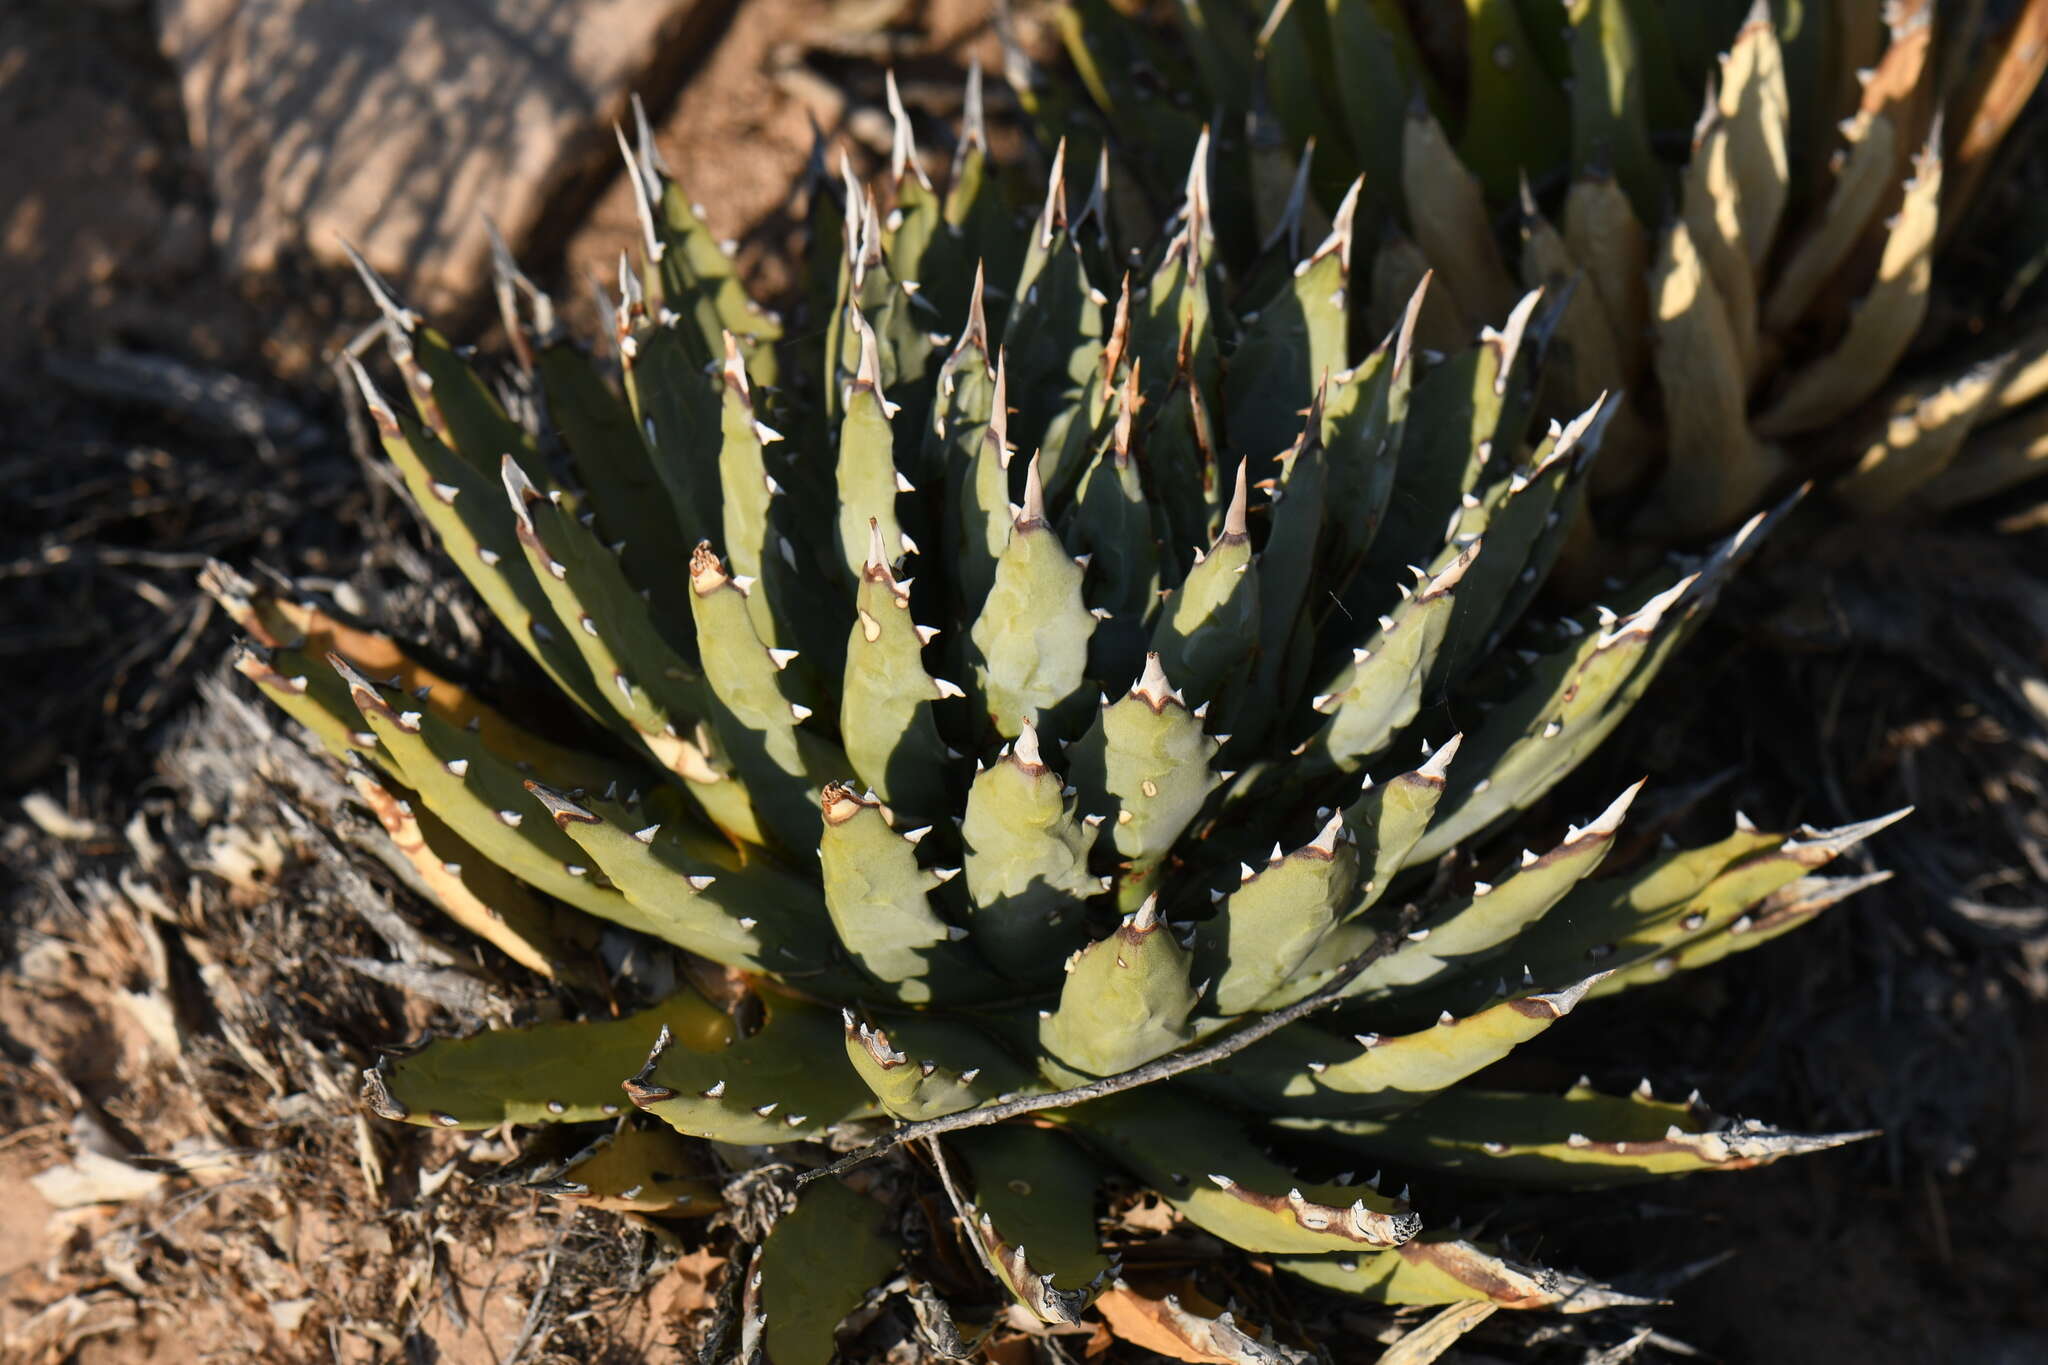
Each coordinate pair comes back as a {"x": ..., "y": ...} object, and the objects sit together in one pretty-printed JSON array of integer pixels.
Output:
[{"x": 1133, "y": 763}]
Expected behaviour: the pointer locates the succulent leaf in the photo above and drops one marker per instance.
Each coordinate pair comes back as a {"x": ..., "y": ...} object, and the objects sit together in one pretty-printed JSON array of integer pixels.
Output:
[
  {"x": 1438, "y": 1267},
  {"x": 1032, "y": 1219},
  {"x": 1126, "y": 999},
  {"x": 1306, "y": 1071},
  {"x": 1201, "y": 1164},
  {"x": 817, "y": 1265},
  {"x": 922, "y": 1067},
  {"x": 1578, "y": 1138},
  {"x": 1031, "y": 637},
  {"x": 565, "y": 1072},
  {"x": 1027, "y": 863},
  {"x": 782, "y": 1083},
  {"x": 638, "y": 1167},
  {"x": 1144, "y": 766}
]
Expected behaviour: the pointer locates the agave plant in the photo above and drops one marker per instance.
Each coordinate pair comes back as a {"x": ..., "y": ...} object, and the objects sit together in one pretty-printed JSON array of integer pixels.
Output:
[
  {"x": 1753, "y": 299},
  {"x": 1110, "y": 844}
]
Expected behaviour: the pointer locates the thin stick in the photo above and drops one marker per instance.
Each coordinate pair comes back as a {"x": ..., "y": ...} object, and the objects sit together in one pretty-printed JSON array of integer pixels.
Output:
[{"x": 1163, "y": 1068}]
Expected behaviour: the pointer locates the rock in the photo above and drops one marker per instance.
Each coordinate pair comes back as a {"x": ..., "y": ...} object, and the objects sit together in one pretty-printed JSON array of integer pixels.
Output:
[{"x": 400, "y": 126}]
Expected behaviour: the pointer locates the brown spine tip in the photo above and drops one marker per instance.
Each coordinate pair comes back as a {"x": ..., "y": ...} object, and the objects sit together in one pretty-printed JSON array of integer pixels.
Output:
[
  {"x": 975, "y": 334},
  {"x": 999, "y": 411},
  {"x": 1129, "y": 400},
  {"x": 973, "y": 118},
  {"x": 1054, "y": 215},
  {"x": 869, "y": 373},
  {"x": 735, "y": 372},
  {"x": 1235, "y": 523},
  {"x": 565, "y": 811},
  {"x": 1152, "y": 688},
  {"x": 1026, "y": 752},
  {"x": 1033, "y": 511},
  {"x": 380, "y": 410},
  {"x": 1119, "y": 343},
  {"x": 361, "y": 689}
]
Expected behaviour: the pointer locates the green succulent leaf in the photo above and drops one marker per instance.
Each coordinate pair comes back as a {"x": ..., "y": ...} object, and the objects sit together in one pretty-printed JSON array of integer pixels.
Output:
[
  {"x": 1578, "y": 1138},
  {"x": 1203, "y": 1165},
  {"x": 1032, "y": 1219},
  {"x": 923, "y": 1067},
  {"x": 467, "y": 513},
  {"x": 817, "y": 1265},
  {"x": 566, "y": 1072},
  {"x": 1031, "y": 638},
  {"x": 1276, "y": 918},
  {"x": 879, "y": 898},
  {"x": 885, "y": 706},
  {"x": 1305, "y": 1071},
  {"x": 1440, "y": 1267},
  {"x": 1126, "y": 999},
  {"x": 1144, "y": 766},
  {"x": 782, "y": 1083},
  {"x": 639, "y": 1167},
  {"x": 1027, "y": 863}
]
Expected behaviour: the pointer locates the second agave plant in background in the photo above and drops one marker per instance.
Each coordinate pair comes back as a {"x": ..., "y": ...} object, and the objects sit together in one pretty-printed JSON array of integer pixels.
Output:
[{"x": 1750, "y": 241}]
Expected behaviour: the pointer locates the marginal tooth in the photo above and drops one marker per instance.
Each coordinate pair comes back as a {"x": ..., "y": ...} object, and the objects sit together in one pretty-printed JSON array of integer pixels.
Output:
[
  {"x": 781, "y": 658},
  {"x": 646, "y": 836},
  {"x": 799, "y": 711},
  {"x": 458, "y": 766},
  {"x": 764, "y": 1110},
  {"x": 913, "y": 835},
  {"x": 715, "y": 1092},
  {"x": 511, "y": 817},
  {"x": 948, "y": 689},
  {"x": 700, "y": 882}
]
